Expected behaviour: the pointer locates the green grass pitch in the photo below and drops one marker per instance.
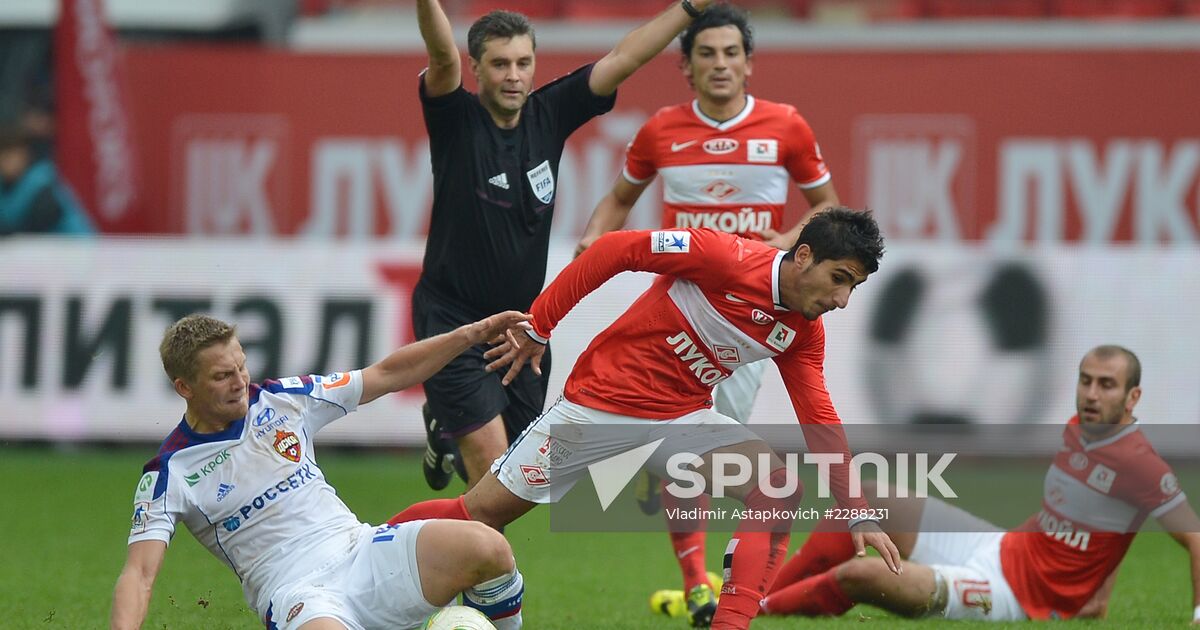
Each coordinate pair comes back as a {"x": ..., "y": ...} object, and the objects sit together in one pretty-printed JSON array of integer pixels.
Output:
[{"x": 66, "y": 516}]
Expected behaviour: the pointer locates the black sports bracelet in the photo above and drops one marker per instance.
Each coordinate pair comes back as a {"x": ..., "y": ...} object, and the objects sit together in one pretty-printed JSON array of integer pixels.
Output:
[{"x": 689, "y": 8}]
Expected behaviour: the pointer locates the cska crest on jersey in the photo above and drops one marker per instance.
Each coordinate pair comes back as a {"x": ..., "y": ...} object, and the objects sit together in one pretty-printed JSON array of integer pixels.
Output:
[{"x": 288, "y": 445}]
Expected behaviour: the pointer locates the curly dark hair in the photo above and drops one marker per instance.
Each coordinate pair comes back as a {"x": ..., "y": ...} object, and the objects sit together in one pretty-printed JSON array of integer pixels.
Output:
[{"x": 839, "y": 233}]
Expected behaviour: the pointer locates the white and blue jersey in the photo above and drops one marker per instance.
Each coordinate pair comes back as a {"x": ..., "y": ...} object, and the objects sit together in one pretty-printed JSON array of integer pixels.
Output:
[{"x": 253, "y": 494}]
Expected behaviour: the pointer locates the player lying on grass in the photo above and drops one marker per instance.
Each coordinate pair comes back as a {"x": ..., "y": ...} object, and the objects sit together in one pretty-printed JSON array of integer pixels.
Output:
[
  {"x": 719, "y": 302},
  {"x": 1106, "y": 479},
  {"x": 240, "y": 473}
]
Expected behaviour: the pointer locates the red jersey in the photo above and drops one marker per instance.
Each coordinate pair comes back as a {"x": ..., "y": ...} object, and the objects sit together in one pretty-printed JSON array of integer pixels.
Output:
[
  {"x": 1097, "y": 495},
  {"x": 731, "y": 176},
  {"x": 715, "y": 307}
]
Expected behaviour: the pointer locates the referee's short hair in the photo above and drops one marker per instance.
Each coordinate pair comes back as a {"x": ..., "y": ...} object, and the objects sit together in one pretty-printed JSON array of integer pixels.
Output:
[
  {"x": 497, "y": 25},
  {"x": 715, "y": 16}
]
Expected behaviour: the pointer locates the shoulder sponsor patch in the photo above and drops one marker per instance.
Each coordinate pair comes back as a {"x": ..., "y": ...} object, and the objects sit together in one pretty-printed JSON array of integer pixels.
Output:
[
  {"x": 335, "y": 380},
  {"x": 137, "y": 524},
  {"x": 145, "y": 487},
  {"x": 670, "y": 242},
  {"x": 1168, "y": 484},
  {"x": 762, "y": 151},
  {"x": 291, "y": 382}
]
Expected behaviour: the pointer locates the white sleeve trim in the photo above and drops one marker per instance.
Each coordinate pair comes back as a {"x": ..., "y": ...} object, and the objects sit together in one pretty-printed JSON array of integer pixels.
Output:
[
  {"x": 160, "y": 535},
  {"x": 632, "y": 179},
  {"x": 820, "y": 181},
  {"x": 1171, "y": 504},
  {"x": 534, "y": 336}
]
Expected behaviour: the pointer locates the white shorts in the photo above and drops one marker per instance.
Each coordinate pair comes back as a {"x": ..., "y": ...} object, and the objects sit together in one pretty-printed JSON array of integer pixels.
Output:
[
  {"x": 555, "y": 451},
  {"x": 964, "y": 551},
  {"x": 376, "y": 586},
  {"x": 734, "y": 396}
]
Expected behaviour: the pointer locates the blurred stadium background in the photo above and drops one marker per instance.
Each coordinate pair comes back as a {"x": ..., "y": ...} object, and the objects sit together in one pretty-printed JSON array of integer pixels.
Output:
[{"x": 1035, "y": 165}]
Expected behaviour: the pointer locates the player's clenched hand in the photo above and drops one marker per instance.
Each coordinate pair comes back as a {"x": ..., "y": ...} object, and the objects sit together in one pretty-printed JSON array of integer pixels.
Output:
[
  {"x": 515, "y": 350},
  {"x": 868, "y": 533},
  {"x": 494, "y": 328}
]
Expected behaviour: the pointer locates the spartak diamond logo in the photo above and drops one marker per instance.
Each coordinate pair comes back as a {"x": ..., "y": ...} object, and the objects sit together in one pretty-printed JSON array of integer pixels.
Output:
[
  {"x": 721, "y": 190},
  {"x": 288, "y": 445}
]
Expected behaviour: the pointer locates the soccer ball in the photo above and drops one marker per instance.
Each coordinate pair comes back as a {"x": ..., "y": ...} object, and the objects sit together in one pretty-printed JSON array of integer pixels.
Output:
[
  {"x": 458, "y": 618},
  {"x": 959, "y": 341}
]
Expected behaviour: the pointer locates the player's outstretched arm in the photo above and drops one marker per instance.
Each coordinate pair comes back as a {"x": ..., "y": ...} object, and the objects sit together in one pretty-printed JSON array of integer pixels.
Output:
[
  {"x": 819, "y": 199},
  {"x": 612, "y": 211},
  {"x": 131, "y": 597},
  {"x": 1184, "y": 526},
  {"x": 416, "y": 362},
  {"x": 869, "y": 533},
  {"x": 444, "y": 73},
  {"x": 639, "y": 46}
]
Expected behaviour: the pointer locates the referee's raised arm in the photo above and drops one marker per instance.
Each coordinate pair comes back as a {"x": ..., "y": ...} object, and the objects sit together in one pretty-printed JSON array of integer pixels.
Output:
[
  {"x": 444, "y": 73},
  {"x": 639, "y": 45}
]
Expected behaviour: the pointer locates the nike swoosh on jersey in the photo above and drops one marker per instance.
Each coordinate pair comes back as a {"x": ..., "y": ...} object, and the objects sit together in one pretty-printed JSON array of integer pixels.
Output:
[
  {"x": 679, "y": 146},
  {"x": 733, "y": 298}
]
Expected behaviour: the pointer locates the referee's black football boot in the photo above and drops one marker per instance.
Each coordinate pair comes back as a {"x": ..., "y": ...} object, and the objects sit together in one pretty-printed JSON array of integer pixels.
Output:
[{"x": 438, "y": 464}]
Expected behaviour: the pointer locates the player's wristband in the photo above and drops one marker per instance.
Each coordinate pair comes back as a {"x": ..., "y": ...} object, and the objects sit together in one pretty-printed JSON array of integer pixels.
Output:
[
  {"x": 536, "y": 337},
  {"x": 689, "y": 8},
  {"x": 856, "y": 521}
]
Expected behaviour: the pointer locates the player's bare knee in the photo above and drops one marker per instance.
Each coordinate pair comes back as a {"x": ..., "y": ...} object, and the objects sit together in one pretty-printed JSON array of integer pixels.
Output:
[
  {"x": 490, "y": 552},
  {"x": 859, "y": 575},
  {"x": 496, "y": 553}
]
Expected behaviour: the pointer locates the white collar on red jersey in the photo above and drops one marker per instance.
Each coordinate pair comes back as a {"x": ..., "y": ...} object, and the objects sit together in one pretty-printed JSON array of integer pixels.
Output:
[
  {"x": 732, "y": 122},
  {"x": 1091, "y": 446},
  {"x": 775, "y": 281}
]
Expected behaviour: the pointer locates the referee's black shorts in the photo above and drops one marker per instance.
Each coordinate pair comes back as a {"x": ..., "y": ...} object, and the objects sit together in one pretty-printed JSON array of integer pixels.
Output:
[{"x": 462, "y": 396}]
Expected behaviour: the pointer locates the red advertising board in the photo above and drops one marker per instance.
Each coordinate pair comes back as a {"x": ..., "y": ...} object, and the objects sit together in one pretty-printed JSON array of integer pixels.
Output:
[{"x": 998, "y": 145}]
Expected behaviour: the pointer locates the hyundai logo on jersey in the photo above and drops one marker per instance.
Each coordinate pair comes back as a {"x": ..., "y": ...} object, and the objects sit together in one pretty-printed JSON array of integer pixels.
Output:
[{"x": 264, "y": 416}]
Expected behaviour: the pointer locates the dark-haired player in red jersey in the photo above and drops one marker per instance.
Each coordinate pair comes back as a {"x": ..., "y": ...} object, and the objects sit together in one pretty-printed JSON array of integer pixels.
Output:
[
  {"x": 1106, "y": 479},
  {"x": 719, "y": 302},
  {"x": 727, "y": 162}
]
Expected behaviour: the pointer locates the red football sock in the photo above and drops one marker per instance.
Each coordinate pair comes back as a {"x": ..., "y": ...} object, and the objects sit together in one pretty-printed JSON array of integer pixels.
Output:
[
  {"x": 817, "y": 595},
  {"x": 754, "y": 555},
  {"x": 829, "y": 545},
  {"x": 454, "y": 509},
  {"x": 687, "y": 537}
]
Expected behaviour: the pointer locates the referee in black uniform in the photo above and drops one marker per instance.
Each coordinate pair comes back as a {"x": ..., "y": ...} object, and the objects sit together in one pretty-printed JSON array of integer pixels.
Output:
[{"x": 495, "y": 173}]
